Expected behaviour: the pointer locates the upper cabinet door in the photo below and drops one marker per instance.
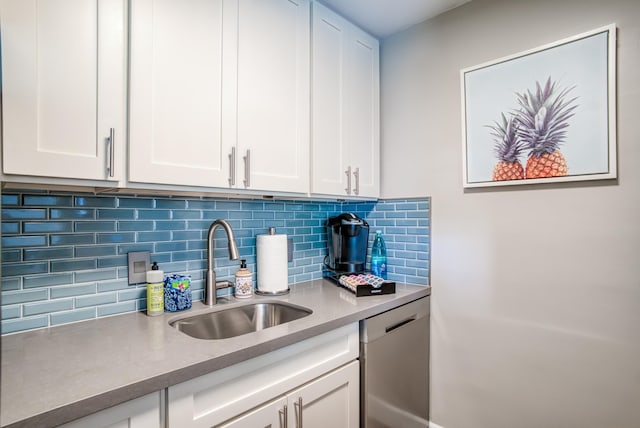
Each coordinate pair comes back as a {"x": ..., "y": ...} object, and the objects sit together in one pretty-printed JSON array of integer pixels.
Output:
[
  {"x": 183, "y": 91},
  {"x": 273, "y": 95},
  {"x": 330, "y": 157},
  {"x": 363, "y": 112},
  {"x": 345, "y": 108},
  {"x": 63, "y": 88}
]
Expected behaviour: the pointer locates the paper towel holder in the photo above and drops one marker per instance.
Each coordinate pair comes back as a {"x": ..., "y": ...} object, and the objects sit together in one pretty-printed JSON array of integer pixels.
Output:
[{"x": 272, "y": 231}]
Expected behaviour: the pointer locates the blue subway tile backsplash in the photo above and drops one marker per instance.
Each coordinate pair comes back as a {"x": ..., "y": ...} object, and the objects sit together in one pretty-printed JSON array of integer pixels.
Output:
[{"x": 64, "y": 254}]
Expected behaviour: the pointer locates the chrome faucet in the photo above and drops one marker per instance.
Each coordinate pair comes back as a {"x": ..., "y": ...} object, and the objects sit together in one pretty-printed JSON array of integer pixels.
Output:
[{"x": 212, "y": 285}]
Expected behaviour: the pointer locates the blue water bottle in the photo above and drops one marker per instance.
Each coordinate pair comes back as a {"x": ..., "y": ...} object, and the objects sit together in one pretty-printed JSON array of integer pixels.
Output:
[{"x": 379, "y": 256}]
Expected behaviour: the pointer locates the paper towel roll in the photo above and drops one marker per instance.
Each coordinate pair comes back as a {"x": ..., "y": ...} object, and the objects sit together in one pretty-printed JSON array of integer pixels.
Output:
[{"x": 272, "y": 265}]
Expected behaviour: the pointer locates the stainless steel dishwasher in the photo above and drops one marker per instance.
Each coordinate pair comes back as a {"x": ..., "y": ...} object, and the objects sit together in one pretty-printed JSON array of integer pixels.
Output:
[{"x": 394, "y": 367}]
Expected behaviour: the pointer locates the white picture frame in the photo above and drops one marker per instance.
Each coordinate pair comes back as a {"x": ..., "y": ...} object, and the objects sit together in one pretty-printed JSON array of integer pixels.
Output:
[{"x": 558, "y": 96}]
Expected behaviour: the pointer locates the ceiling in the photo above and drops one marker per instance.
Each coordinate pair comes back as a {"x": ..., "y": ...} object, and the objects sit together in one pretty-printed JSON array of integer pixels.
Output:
[{"x": 382, "y": 18}]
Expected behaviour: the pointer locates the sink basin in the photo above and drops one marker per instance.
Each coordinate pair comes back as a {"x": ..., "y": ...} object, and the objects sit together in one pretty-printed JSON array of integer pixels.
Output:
[{"x": 239, "y": 320}]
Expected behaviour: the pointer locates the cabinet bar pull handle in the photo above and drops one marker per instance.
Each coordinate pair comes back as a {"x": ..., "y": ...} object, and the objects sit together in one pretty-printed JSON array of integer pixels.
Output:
[
  {"x": 298, "y": 410},
  {"x": 348, "y": 188},
  {"x": 283, "y": 416},
  {"x": 232, "y": 167},
  {"x": 247, "y": 169},
  {"x": 112, "y": 152},
  {"x": 356, "y": 174}
]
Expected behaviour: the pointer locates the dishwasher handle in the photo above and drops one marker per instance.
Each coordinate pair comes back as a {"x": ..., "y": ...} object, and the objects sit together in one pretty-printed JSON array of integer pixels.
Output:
[
  {"x": 380, "y": 325},
  {"x": 400, "y": 324}
]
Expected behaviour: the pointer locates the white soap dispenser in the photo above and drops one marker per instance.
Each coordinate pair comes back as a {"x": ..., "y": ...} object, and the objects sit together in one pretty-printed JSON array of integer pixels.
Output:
[{"x": 244, "y": 281}]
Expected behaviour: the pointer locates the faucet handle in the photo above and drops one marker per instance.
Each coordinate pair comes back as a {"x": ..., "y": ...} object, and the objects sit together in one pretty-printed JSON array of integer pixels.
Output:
[{"x": 224, "y": 284}]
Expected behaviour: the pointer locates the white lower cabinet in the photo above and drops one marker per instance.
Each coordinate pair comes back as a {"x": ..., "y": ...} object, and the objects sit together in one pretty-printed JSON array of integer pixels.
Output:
[
  {"x": 316, "y": 379},
  {"x": 143, "y": 412},
  {"x": 271, "y": 415},
  {"x": 329, "y": 401}
]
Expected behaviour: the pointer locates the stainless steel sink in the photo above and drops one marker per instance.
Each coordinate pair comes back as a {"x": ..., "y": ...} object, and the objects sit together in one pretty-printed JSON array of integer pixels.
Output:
[{"x": 240, "y": 320}]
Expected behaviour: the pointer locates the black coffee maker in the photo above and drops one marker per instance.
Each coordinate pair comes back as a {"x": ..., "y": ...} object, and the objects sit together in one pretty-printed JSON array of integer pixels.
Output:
[{"x": 347, "y": 238}]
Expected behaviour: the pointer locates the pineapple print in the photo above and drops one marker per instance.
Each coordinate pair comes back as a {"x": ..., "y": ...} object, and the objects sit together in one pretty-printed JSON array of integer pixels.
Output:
[
  {"x": 541, "y": 126},
  {"x": 507, "y": 148}
]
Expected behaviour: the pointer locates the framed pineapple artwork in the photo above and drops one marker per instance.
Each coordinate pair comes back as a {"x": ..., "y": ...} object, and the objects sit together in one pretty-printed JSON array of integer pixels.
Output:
[{"x": 541, "y": 116}]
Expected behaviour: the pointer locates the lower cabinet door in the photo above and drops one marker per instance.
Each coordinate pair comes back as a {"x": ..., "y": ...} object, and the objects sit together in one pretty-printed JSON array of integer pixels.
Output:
[
  {"x": 332, "y": 400},
  {"x": 271, "y": 415}
]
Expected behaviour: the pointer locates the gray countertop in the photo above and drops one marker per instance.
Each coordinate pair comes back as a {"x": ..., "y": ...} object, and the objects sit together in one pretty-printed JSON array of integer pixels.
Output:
[{"x": 58, "y": 374}]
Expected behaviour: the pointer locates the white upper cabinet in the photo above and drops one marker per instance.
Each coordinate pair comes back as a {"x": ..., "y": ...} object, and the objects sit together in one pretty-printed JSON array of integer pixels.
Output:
[
  {"x": 64, "y": 88},
  {"x": 182, "y": 91},
  {"x": 273, "y": 94},
  {"x": 345, "y": 108},
  {"x": 220, "y": 93},
  {"x": 362, "y": 109}
]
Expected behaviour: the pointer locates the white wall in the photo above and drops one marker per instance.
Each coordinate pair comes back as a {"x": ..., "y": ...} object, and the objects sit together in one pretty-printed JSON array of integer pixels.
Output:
[{"x": 536, "y": 290}]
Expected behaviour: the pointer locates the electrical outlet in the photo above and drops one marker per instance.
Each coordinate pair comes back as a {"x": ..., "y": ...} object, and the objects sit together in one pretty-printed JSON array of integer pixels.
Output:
[{"x": 139, "y": 264}]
